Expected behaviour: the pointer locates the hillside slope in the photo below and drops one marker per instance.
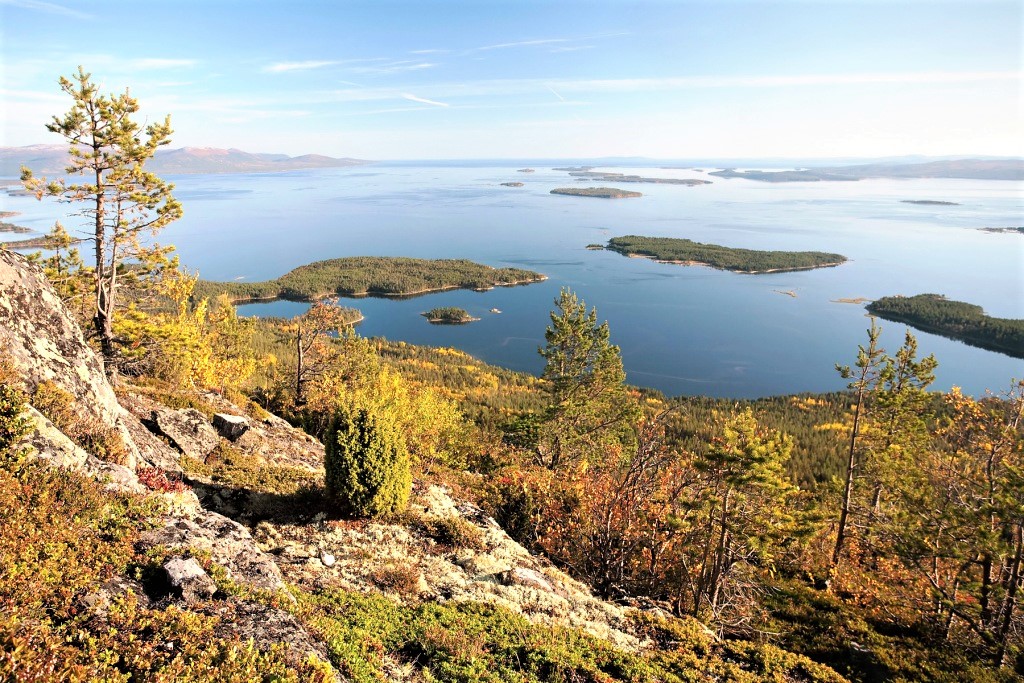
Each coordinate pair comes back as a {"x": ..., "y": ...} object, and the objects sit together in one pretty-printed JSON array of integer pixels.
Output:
[{"x": 149, "y": 542}]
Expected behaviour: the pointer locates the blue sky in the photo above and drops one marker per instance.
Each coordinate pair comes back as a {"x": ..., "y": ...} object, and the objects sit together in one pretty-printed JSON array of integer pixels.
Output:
[{"x": 487, "y": 79}]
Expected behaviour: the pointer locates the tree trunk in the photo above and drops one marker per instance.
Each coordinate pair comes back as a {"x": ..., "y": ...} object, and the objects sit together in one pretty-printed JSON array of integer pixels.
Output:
[
  {"x": 1010, "y": 602},
  {"x": 851, "y": 468},
  {"x": 298, "y": 368}
]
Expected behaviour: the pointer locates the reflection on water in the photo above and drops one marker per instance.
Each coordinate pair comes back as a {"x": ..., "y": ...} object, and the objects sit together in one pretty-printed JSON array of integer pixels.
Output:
[{"x": 685, "y": 330}]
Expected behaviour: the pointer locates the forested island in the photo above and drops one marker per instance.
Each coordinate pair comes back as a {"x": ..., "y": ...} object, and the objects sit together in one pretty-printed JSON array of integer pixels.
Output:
[
  {"x": 40, "y": 242},
  {"x": 603, "y": 192},
  {"x": 1019, "y": 231},
  {"x": 622, "y": 178},
  {"x": 11, "y": 227},
  {"x": 512, "y": 184},
  {"x": 371, "y": 276},
  {"x": 449, "y": 315},
  {"x": 750, "y": 261},
  {"x": 954, "y": 319}
]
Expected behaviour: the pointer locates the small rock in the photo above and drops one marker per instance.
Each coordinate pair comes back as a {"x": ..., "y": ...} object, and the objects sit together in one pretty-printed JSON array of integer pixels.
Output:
[
  {"x": 188, "y": 431},
  {"x": 327, "y": 559},
  {"x": 528, "y": 577},
  {"x": 231, "y": 427},
  {"x": 189, "y": 579}
]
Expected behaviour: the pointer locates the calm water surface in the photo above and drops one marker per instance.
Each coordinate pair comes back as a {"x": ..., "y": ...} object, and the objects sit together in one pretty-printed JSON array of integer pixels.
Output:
[{"x": 683, "y": 330}]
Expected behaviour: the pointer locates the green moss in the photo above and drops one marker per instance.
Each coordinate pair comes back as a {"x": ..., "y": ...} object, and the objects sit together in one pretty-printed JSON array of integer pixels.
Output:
[{"x": 229, "y": 466}]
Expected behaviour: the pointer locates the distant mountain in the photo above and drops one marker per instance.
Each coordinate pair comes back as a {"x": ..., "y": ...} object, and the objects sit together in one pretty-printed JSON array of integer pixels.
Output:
[
  {"x": 51, "y": 159},
  {"x": 980, "y": 169}
]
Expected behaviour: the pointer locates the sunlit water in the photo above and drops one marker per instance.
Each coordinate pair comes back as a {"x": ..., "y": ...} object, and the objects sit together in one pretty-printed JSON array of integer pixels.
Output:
[{"x": 683, "y": 330}]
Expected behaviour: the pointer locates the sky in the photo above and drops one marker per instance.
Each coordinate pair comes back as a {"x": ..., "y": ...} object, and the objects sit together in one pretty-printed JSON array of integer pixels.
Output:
[{"x": 436, "y": 79}]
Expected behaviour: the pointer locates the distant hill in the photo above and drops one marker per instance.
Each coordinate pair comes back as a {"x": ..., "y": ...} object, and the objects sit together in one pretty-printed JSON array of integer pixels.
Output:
[
  {"x": 51, "y": 159},
  {"x": 981, "y": 169}
]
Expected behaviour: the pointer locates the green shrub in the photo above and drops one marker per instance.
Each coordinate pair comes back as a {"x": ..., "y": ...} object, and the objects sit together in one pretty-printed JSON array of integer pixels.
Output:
[
  {"x": 13, "y": 424},
  {"x": 367, "y": 465},
  {"x": 453, "y": 532}
]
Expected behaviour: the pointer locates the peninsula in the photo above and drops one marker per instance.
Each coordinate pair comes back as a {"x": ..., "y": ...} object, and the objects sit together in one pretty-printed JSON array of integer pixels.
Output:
[
  {"x": 449, "y": 315},
  {"x": 750, "y": 261},
  {"x": 954, "y": 319},
  {"x": 359, "y": 276},
  {"x": 603, "y": 192}
]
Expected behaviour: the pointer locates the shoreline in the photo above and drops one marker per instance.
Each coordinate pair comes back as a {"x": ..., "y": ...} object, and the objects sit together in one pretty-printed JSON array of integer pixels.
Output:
[
  {"x": 731, "y": 270},
  {"x": 386, "y": 295}
]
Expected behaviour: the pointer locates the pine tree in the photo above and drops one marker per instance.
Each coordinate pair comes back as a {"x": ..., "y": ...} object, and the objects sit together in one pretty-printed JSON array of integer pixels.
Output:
[
  {"x": 123, "y": 200},
  {"x": 589, "y": 403},
  {"x": 367, "y": 464}
]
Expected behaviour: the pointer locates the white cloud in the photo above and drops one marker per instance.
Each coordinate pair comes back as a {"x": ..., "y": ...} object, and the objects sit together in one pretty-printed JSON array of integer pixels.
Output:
[
  {"x": 525, "y": 43},
  {"x": 48, "y": 7},
  {"x": 147, "y": 64},
  {"x": 413, "y": 98},
  {"x": 392, "y": 68},
  {"x": 282, "y": 67}
]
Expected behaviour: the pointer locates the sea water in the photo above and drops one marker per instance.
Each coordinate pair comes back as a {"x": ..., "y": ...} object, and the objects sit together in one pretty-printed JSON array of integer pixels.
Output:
[{"x": 683, "y": 330}]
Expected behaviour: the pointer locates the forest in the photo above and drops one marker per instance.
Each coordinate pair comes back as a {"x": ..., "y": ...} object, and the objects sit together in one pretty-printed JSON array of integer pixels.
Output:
[
  {"x": 954, "y": 319},
  {"x": 875, "y": 534},
  {"x": 675, "y": 250},
  {"x": 370, "y": 276}
]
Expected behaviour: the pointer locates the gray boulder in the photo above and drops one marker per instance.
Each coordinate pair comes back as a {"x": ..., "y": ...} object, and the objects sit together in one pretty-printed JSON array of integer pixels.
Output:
[
  {"x": 229, "y": 543},
  {"x": 231, "y": 427},
  {"x": 188, "y": 430},
  {"x": 189, "y": 580}
]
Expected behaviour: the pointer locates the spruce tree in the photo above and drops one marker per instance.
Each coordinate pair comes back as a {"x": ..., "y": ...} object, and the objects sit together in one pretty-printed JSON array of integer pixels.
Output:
[
  {"x": 367, "y": 464},
  {"x": 589, "y": 404}
]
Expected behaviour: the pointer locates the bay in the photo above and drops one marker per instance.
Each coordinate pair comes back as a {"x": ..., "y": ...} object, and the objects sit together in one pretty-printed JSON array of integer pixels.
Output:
[{"x": 682, "y": 330}]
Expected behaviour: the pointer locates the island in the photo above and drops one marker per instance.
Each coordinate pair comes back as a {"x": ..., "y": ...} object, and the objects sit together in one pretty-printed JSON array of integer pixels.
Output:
[
  {"x": 11, "y": 227},
  {"x": 41, "y": 242},
  {"x": 525, "y": 170},
  {"x": 749, "y": 261},
  {"x": 953, "y": 319},
  {"x": 359, "y": 276},
  {"x": 980, "y": 169},
  {"x": 1018, "y": 231},
  {"x": 601, "y": 176},
  {"x": 513, "y": 184},
  {"x": 782, "y": 176},
  {"x": 572, "y": 168},
  {"x": 928, "y": 202},
  {"x": 603, "y": 192},
  {"x": 449, "y": 315}
]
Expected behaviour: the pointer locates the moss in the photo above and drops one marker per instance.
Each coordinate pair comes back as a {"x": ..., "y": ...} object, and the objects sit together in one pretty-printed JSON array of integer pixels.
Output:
[
  {"x": 62, "y": 536},
  {"x": 229, "y": 466},
  {"x": 452, "y": 532}
]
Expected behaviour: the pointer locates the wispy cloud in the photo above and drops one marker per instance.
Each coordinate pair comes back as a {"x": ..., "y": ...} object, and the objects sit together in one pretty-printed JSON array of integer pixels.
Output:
[
  {"x": 423, "y": 100},
  {"x": 555, "y": 93},
  {"x": 525, "y": 43},
  {"x": 400, "y": 66},
  {"x": 798, "y": 80},
  {"x": 570, "y": 48},
  {"x": 282, "y": 67},
  {"x": 430, "y": 52},
  {"x": 148, "y": 64},
  {"x": 48, "y": 7}
]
